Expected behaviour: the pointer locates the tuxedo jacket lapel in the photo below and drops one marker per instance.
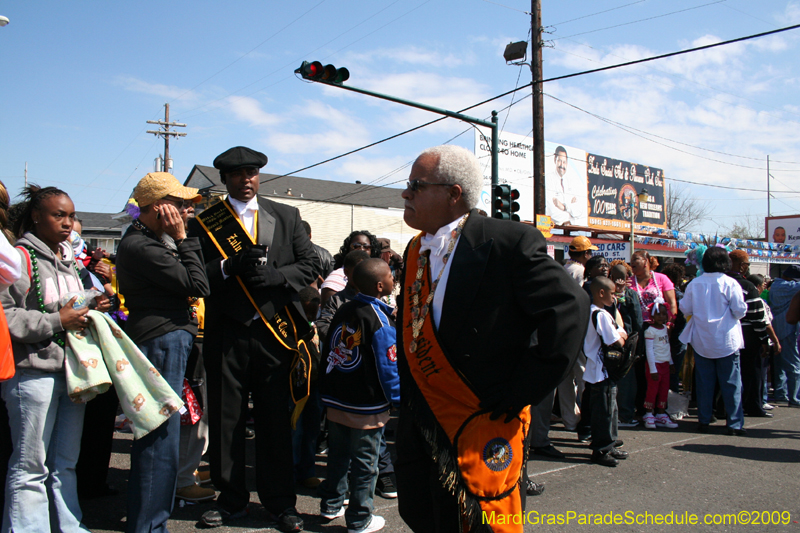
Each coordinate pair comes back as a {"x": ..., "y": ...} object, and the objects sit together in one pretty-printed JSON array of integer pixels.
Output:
[
  {"x": 266, "y": 226},
  {"x": 466, "y": 272}
]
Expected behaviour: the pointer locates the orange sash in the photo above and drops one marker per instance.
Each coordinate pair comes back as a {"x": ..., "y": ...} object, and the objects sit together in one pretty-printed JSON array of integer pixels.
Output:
[{"x": 491, "y": 454}]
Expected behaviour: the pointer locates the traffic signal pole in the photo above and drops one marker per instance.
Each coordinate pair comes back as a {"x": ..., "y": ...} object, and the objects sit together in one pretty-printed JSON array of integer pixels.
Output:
[{"x": 493, "y": 124}]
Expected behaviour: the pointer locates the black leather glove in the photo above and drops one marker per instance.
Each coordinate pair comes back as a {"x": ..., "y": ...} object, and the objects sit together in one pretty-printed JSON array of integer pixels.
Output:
[
  {"x": 244, "y": 261},
  {"x": 263, "y": 277},
  {"x": 503, "y": 401}
]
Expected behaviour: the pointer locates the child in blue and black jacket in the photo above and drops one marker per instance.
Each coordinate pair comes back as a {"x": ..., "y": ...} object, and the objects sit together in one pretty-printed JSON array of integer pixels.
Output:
[{"x": 359, "y": 385}]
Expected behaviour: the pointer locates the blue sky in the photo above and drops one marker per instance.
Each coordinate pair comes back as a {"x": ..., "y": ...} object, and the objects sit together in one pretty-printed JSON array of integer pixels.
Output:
[{"x": 79, "y": 80}]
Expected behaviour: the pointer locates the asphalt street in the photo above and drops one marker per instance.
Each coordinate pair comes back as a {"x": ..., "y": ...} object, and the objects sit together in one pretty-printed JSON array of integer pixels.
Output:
[{"x": 671, "y": 474}]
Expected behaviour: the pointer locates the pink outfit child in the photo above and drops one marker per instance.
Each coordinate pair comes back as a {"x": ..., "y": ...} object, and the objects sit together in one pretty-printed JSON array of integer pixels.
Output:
[{"x": 659, "y": 358}]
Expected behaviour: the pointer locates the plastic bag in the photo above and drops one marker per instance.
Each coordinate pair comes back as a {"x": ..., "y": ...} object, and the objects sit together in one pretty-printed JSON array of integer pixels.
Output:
[
  {"x": 678, "y": 405},
  {"x": 85, "y": 298}
]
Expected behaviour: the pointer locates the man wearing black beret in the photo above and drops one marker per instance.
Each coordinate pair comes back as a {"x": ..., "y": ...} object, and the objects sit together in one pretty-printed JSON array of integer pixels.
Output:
[{"x": 258, "y": 257}]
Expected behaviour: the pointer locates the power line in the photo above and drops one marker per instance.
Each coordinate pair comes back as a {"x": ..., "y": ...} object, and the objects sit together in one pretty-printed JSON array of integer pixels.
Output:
[
  {"x": 641, "y": 20},
  {"x": 670, "y": 54},
  {"x": 593, "y": 14},
  {"x": 704, "y": 47},
  {"x": 294, "y": 62},
  {"x": 671, "y": 74},
  {"x": 634, "y": 131},
  {"x": 512, "y": 8},
  {"x": 251, "y": 50}
]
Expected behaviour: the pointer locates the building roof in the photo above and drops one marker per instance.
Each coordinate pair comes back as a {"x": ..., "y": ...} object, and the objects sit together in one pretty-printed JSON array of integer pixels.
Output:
[
  {"x": 272, "y": 185},
  {"x": 100, "y": 221}
]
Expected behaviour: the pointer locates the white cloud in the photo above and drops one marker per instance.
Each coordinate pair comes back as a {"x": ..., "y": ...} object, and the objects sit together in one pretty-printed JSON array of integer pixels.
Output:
[
  {"x": 249, "y": 110},
  {"x": 170, "y": 92},
  {"x": 409, "y": 55},
  {"x": 335, "y": 131},
  {"x": 367, "y": 170},
  {"x": 790, "y": 15}
]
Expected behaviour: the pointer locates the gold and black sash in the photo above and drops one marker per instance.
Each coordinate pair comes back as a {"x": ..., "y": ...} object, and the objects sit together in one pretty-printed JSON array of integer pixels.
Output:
[
  {"x": 226, "y": 231},
  {"x": 490, "y": 453}
]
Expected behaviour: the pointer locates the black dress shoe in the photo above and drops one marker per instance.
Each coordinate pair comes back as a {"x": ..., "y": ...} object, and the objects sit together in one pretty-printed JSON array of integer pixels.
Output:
[
  {"x": 289, "y": 521},
  {"x": 218, "y": 516},
  {"x": 533, "y": 489},
  {"x": 741, "y": 432},
  {"x": 618, "y": 454},
  {"x": 619, "y": 444},
  {"x": 584, "y": 437},
  {"x": 548, "y": 451},
  {"x": 604, "y": 459},
  {"x": 762, "y": 414}
]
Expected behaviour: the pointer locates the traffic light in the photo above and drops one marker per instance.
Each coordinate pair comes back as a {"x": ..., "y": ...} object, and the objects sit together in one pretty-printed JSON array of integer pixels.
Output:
[
  {"x": 314, "y": 71},
  {"x": 504, "y": 202}
]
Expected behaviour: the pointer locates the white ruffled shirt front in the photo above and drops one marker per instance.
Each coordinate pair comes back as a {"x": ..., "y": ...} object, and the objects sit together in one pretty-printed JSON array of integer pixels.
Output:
[{"x": 438, "y": 245}]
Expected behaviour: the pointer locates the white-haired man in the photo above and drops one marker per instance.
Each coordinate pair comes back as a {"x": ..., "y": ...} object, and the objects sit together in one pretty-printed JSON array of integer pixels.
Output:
[{"x": 489, "y": 324}]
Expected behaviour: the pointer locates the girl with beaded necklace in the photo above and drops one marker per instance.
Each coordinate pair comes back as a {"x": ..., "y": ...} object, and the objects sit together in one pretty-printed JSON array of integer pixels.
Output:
[{"x": 41, "y": 488}]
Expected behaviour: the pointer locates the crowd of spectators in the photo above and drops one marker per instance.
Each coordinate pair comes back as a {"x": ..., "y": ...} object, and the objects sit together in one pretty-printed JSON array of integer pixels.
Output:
[{"x": 228, "y": 329}]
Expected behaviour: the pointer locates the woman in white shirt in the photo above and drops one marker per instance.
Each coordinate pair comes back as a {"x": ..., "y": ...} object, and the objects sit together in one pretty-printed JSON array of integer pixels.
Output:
[{"x": 713, "y": 304}]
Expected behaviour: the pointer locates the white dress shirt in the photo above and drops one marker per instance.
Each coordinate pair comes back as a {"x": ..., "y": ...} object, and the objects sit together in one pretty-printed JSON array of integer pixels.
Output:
[
  {"x": 247, "y": 214},
  {"x": 713, "y": 304},
  {"x": 246, "y": 211},
  {"x": 438, "y": 245}
]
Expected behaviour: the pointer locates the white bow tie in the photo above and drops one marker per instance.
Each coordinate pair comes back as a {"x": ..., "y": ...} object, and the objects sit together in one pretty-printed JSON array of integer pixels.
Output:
[{"x": 435, "y": 243}]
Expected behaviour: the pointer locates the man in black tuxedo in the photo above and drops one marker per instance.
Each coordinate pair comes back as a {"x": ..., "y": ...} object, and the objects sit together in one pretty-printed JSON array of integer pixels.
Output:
[
  {"x": 244, "y": 351},
  {"x": 505, "y": 316}
]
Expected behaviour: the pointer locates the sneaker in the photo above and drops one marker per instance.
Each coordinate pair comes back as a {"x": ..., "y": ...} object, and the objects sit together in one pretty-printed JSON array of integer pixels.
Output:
[
  {"x": 664, "y": 421},
  {"x": 632, "y": 424},
  {"x": 741, "y": 432},
  {"x": 768, "y": 407},
  {"x": 202, "y": 476},
  {"x": 532, "y": 488},
  {"x": 649, "y": 421},
  {"x": 385, "y": 487},
  {"x": 195, "y": 493},
  {"x": 218, "y": 516},
  {"x": 375, "y": 524},
  {"x": 328, "y": 515}
]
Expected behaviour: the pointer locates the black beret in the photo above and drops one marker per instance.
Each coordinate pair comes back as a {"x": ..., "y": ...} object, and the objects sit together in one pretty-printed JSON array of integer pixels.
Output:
[{"x": 238, "y": 157}]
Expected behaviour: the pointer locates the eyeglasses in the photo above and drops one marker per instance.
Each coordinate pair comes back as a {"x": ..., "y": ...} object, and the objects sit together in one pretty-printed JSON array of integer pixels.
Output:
[
  {"x": 358, "y": 246},
  {"x": 415, "y": 185},
  {"x": 181, "y": 205}
]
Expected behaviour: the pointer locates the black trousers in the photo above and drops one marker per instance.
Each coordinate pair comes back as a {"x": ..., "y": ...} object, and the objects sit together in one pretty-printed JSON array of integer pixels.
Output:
[
  {"x": 603, "y": 415},
  {"x": 97, "y": 442},
  {"x": 242, "y": 361},
  {"x": 423, "y": 503},
  {"x": 752, "y": 383}
]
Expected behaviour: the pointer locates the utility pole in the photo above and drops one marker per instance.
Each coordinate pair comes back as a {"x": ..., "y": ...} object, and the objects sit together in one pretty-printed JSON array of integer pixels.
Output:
[
  {"x": 538, "y": 108},
  {"x": 166, "y": 134},
  {"x": 769, "y": 212}
]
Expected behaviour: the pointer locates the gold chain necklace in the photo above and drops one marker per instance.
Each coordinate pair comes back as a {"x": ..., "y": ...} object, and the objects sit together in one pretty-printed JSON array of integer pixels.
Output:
[{"x": 418, "y": 314}]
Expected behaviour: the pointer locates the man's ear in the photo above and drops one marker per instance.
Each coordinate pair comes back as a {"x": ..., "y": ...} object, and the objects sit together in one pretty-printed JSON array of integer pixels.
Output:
[{"x": 456, "y": 193}]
